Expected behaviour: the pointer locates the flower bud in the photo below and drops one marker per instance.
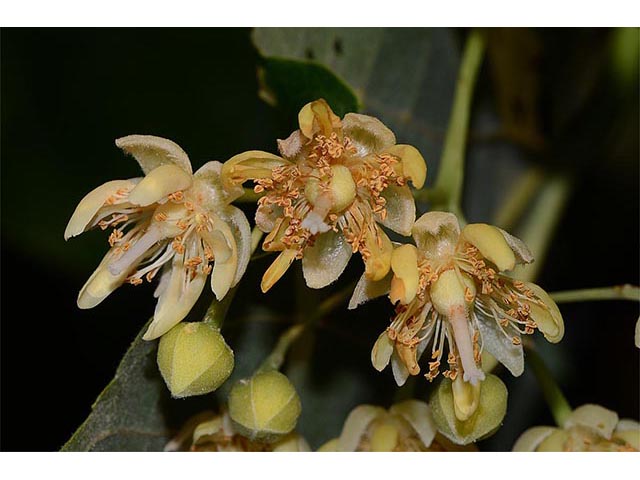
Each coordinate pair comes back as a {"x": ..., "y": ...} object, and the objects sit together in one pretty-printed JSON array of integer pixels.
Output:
[
  {"x": 264, "y": 406},
  {"x": 488, "y": 415},
  {"x": 194, "y": 359}
]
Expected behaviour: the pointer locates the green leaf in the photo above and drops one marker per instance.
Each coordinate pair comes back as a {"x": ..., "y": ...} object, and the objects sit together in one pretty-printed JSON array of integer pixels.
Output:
[
  {"x": 291, "y": 84},
  {"x": 127, "y": 415}
]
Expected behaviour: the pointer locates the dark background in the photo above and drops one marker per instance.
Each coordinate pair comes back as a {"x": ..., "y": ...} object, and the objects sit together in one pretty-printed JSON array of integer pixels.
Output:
[{"x": 68, "y": 93}]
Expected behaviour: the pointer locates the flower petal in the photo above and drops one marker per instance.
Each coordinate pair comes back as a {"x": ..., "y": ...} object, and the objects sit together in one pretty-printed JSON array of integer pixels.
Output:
[
  {"x": 411, "y": 165},
  {"x": 325, "y": 261},
  {"x": 400, "y": 209},
  {"x": 404, "y": 263},
  {"x": 175, "y": 303},
  {"x": 418, "y": 414},
  {"x": 226, "y": 259},
  {"x": 400, "y": 372},
  {"x": 292, "y": 147},
  {"x": 629, "y": 431},
  {"x": 278, "y": 268},
  {"x": 159, "y": 183},
  {"x": 317, "y": 117},
  {"x": 548, "y": 318},
  {"x": 356, "y": 425},
  {"x": 595, "y": 417},
  {"x": 293, "y": 442},
  {"x": 92, "y": 203},
  {"x": 251, "y": 165},
  {"x": 378, "y": 263},
  {"x": 381, "y": 352},
  {"x": 529, "y": 440},
  {"x": 152, "y": 152},
  {"x": 500, "y": 345},
  {"x": 368, "y": 134},
  {"x": 100, "y": 285},
  {"x": 215, "y": 191},
  {"x": 242, "y": 233},
  {"x": 366, "y": 290},
  {"x": 491, "y": 243},
  {"x": 436, "y": 233}
]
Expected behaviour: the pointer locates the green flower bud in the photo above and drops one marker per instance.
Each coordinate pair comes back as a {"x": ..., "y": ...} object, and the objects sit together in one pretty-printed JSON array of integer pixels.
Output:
[
  {"x": 488, "y": 415},
  {"x": 264, "y": 406},
  {"x": 194, "y": 359}
]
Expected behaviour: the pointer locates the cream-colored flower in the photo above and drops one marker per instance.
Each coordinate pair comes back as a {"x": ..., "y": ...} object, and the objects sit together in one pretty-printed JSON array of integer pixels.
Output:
[
  {"x": 589, "y": 428},
  {"x": 450, "y": 290},
  {"x": 406, "y": 427},
  {"x": 170, "y": 219},
  {"x": 324, "y": 199},
  {"x": 217, "y": 434}
]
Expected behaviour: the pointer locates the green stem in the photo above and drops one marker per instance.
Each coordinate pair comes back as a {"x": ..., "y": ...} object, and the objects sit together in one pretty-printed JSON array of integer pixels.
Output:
[
  {"x": 558, "y": 404},
  {"x": 618, "y": 292},
  {"x": 538, "y": 229},
  {"x": 518, "y": 199},
  {"x": 447, "y": 191},
  {"x": 276, "y": 357}
]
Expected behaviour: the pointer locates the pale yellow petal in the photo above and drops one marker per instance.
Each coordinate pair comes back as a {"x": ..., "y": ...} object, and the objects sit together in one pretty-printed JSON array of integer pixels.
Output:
[
  {"x": 100, "y": 285},
  {"x": 532, "y": 438},
  {"x": 278, "y": 268},
  {"x": 225, "y": 264},
  {"x": 212, "y": 188},
  {"x": 175, "y": 303},
  {"x": 404, "y": 263},
  {"x": 419, "y": 416},
  {"x": 411, "y": 165},
  {"x": 378, "y": 264},
  {"x": 466, "y": 398},
  {"x": 91, "y": 204},
  {"x": 491, "y": 243},
  {"x": 332, "y": 445},
  {"x": 152, "y": 152},
  {"x": 317, "y": 117},
  {"x": 595, "y": 417},
  {"x": 159, "y": 183},
  {"x": 242, "y": 234},
  {"x": 548, "y": 317},
  {"x": 381, "y": 352},
  {"x": 366, "y": 290},
  {"x": 356, "y": 425},
  {"x": 251, "y": 165},
  {"x": 519, "y": 248}
]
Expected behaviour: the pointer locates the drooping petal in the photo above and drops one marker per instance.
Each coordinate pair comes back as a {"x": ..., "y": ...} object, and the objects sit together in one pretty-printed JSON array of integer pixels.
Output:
[
  {"x": 418, "y": 415},
  {"x": 250, "y": 165},
  {"x": 548, "y": 317},
  {"x": 325, "y": 261},
  {"x": 595, "y": 417},
  {"x": 519, "y": 248},
  {"x": 242, "y": 233},
  {"x": 92, "y": 203},
  {"x": 152, "y": 152},
  {"x": 292, "y": 147},
  {"x": 529, "y": 440},
  {"x": 368, "y": 134},
  {"x": 226, "y": 258},
  {"x": 159, "y": 183},
  {"x": 356, "y": 425},
  {"x": 500, "y": 345},
  {"x": 404, "y": 263},
  {"x": 278, "y": 268},
  {"x": 100, "y": 285},
  {"x": 491, "y": 243},
  {"x": 411, "y": 165},
  {"x": 266, "y": 217},
  {"x": 400, "y": 372},
  {"x": 176, "y": 301},
  {"x": 366, "y": 290},
  {"x": 378, "y": 263},
  {"x": 400, "y": 209},
  {"x": 381, "y": 352},
  {"x": 212, "y": 189},
  {"x": 436, "y": 233}
]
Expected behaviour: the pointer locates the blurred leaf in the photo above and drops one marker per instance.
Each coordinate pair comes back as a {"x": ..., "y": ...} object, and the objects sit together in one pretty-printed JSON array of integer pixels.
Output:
[
  {"x": 128, "y": 414},
  {"x": 290, "y": 84}
]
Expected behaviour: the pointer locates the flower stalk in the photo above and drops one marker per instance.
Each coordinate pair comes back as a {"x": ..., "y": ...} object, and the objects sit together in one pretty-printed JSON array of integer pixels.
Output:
[
  {"x": 558, "y": 404},
  {"x": 617, "y": 292}
]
